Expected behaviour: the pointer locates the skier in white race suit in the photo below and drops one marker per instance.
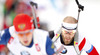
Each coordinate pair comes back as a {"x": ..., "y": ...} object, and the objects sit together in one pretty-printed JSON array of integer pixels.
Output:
[
  {"x": 23, "y": 39},
  {"x": 70, "y": 41}
]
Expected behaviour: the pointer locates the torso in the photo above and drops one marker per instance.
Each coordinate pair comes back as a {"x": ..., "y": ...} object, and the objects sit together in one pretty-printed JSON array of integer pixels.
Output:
[
  {"x": 18, "y": 49},
  {"x": 67, "y": 50}
]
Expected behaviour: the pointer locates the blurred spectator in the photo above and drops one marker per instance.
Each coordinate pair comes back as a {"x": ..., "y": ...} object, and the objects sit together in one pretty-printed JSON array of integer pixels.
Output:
[
  {"x": 23, "y": 8},
  {"x": 9, "y": 13},
  {"x": 14, "y": 7}
]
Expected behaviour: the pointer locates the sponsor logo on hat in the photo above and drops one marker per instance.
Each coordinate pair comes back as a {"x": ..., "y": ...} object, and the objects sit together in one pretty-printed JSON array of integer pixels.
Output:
[{"x": 21, "y": 26}]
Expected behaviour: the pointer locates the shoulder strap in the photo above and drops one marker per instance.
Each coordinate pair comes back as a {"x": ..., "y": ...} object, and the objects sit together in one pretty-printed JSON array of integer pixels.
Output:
[
  {"x": 76, "y": 43},
  {"x": 56, "y": 35}
]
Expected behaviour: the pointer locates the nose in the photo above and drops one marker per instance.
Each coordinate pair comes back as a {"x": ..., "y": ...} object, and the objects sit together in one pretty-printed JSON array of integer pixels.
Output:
[
  {"x": 24, "y": 37},
  {"x": 67, "y": 35}
]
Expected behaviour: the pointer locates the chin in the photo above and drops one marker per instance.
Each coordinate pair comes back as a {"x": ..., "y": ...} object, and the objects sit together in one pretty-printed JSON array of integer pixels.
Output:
[
  {"x": 68, "y": 42},
  {"x": 26, "y": 44}
]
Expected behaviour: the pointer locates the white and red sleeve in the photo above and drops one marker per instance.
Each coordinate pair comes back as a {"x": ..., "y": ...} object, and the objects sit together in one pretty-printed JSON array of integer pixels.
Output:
[{"x": 85, "y": 45}]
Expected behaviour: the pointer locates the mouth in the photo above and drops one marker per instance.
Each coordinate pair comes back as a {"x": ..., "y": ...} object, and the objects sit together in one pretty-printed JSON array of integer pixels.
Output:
[
  {"x": 67, "y": 39},
  {"x": 25, "y": 41}
]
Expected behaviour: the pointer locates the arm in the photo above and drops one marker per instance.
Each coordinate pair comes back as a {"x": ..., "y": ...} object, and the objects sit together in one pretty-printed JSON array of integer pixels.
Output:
[
  {"x": 4, "y": 37},
  {"x": 87, "y": 46},
  {"x": 49, "y": 46},
  {"x": 92, "y": 51}
]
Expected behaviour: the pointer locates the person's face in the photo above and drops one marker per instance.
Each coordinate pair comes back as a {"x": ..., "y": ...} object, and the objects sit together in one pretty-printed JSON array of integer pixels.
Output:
[
  {"x": 25, "y": 38},
  {"x": 68, "y": 35}
]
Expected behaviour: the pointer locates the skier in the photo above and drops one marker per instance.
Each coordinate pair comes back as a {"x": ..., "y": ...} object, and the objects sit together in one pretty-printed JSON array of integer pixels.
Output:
[
  {"x": 23, "y": 39},
  {"x": 69, "y": 41}
]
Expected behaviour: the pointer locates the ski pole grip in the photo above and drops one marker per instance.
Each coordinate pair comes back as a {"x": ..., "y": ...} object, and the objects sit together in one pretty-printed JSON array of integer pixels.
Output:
[
  {"x": 79, "y": 5},
  {"x": 34, "y": 4},
  {"x": 77, "y": 2}
]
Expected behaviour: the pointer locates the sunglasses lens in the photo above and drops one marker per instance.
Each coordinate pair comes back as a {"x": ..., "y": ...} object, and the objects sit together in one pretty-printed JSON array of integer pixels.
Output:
[{"x": 69, "y": 31}]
